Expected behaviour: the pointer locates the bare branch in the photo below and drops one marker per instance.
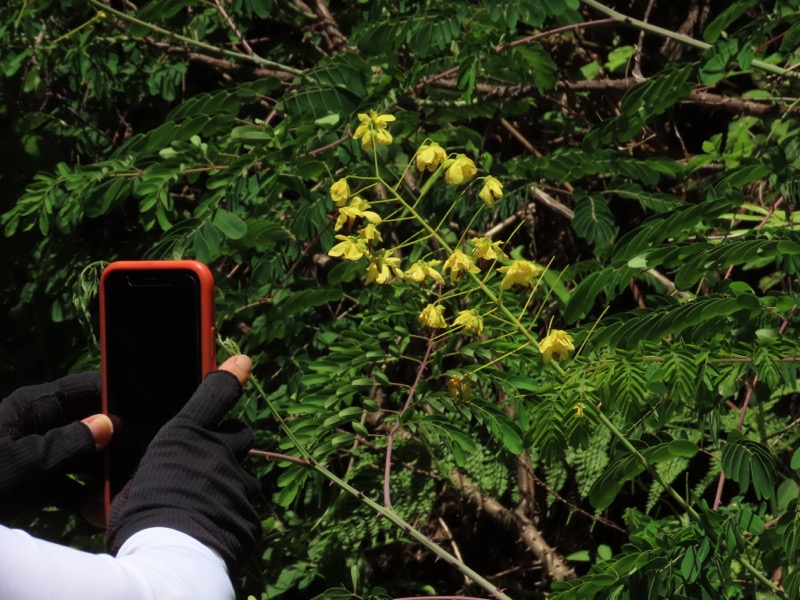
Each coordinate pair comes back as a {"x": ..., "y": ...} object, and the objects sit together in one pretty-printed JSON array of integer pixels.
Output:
[{"x": 556, "y": 567}]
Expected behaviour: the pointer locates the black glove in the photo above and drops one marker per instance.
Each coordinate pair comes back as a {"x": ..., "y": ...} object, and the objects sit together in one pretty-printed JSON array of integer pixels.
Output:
[
  {"x": 190, "y": 479},
  {"x": 41, "y": 438}
]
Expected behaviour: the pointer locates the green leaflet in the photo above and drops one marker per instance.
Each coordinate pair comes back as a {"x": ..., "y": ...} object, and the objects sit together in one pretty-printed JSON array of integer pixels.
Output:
[
  {"x": 747, "y": 461},
  {"x": 626, "y": 467},
  {"x": 593, "y": 220}
]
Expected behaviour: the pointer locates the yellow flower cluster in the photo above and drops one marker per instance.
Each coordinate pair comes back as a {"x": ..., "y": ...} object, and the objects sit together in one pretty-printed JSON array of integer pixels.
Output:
[
  {"x": 433, "y": 316},
  {"x": 384, "y": 265}
]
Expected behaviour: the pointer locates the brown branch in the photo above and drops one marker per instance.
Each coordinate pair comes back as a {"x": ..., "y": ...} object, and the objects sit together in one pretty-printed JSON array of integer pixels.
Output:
[
  {"x": 226, "y": 67},
  {"x": 556, "y": 567},
  {"x": 232, "y": 26},
  {"x": 752, "y": 108},
  {"x": 337, "y": 41}
]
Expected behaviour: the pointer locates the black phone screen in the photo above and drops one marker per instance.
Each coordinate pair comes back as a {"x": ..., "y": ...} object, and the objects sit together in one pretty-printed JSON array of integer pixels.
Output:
[{"x": 153, "y": 357}]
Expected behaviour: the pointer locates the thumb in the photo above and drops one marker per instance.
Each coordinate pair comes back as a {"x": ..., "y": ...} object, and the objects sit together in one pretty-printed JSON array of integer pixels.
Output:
[{"x": 101, "y": 429}]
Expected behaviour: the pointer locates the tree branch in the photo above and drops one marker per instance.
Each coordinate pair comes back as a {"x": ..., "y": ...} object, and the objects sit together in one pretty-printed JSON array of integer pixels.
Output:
[{"x": 556, "y": 567}]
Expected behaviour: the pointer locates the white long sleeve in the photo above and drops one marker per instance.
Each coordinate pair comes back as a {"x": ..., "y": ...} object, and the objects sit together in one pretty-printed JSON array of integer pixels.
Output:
[{"x": 154, "y": 564}]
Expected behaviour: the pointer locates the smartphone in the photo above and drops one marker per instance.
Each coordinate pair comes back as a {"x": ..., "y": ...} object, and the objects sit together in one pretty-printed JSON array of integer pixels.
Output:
[{"x": 157, "y": 343}]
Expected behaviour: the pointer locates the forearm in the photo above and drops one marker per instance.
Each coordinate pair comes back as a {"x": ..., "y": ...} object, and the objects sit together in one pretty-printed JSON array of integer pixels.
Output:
[{"x": 153, "y": 564}]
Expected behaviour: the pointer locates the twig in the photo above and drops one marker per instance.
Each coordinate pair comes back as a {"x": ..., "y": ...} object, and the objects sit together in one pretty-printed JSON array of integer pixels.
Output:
[
  {"x": 387, "y": 467},
  {"x": 679, "y": 37},
  {"x": 554, "y": 564},
  {"x": 196, "y": 43},
  {"x": 526, "y": 40},
  {"x": 453, "y": 544},
  {"x": 637, "y": 59},
  {"x": 233, "y": 28},
  {"x": 388, "y": 513}
]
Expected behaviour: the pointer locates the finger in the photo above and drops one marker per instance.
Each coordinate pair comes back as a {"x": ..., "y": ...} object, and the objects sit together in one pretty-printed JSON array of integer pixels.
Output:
[
  {"x": 239, "y": 365},
  {"x": 37, "y": 408},
  {"x": 26, "y": 458},
  {"x": 101, "y": 428}
]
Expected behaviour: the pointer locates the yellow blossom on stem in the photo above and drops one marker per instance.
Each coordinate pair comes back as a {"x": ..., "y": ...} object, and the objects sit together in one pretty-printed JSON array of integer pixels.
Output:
[
  {"x": 373, "y": 129},
  {"x": 556, "y": 344},
  {"x": 520, "y": 272},
  {"x": 370, "y": 234},
  {"x": 579, "y": 408},
  {"x": 462, "y": 169},
  {"x": 458, "y": 264},
  {"x": 340, "y": 192},
  {"x": 486, "y": 248},
  {"x": 421, "y": 269},
  {"x": 432, "y": 316},
  {"x": 430, "y": 156},
  {"x": 492, "y": 190},
  {"x": 358, "y": 207},
  {"x": 470, "y": 320},
  {"x": 383, "y": 268},
  {"x": 349, "y": 248},
  {"x": 458, "y": 388}
]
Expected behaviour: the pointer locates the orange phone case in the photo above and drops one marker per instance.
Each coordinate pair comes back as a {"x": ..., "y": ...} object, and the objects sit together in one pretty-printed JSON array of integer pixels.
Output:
[{"x": 207, "y": 332}]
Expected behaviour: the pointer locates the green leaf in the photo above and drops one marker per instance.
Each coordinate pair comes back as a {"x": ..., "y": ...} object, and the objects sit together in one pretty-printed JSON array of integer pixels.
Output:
[
  {"x": 726, "y": 18},
  {"x": 262, "y": 234},
  {"x": 692, "y": 563},
  {"x": 593, "y": 220},
  {"x": 541, "y": 66},
  {"x": 228, "y": 224},
  {"x": 746, "y": 461},
  {"x": 716, "y": 61}
]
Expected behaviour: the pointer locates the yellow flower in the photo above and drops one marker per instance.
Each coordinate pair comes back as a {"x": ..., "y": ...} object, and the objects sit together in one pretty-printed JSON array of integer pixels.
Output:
[
  {"x": 470, "y": 320},
  {"x": 458, "y": 388},
  {"x": 370, "y": 234},
  {"x": 430, "y": 156},
  {"x": 579, "y": 408},
  {"x": 383, "y": 269},
  {"x": 373, "y": 129},
  {"x": 358, "y": 208},
  {"x": 458, "y": 263},
  {"x": 557, "y": 343},
  {"x": 521, "y": 272},
  {"x": 486, "y": 248},
  {"x": 340, "y": 192},
  {"x": 462, "y": 169},
  {"x": 350, "y": 248},
  {"x": 421, "y": 269},
  {"x": 433, "y": 317},
  {"x": 492, "y": 190}
]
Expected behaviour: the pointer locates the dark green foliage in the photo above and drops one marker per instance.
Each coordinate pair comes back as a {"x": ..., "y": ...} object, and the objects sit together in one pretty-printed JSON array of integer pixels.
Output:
[{"x": 657, "y": 184}]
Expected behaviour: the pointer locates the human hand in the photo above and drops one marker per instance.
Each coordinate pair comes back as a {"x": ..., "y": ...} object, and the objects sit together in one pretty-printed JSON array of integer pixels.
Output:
[
  {"x": 191, "y": 480},
  {"x": 45, "y": 430}
]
